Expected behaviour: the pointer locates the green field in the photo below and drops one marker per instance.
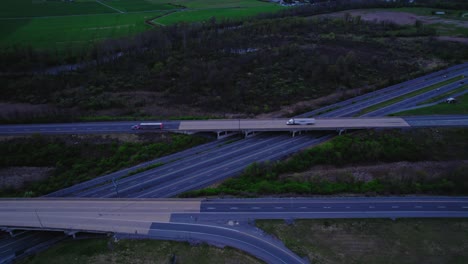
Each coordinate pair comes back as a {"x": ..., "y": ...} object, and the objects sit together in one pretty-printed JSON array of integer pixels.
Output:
[
  {"x": 72, "y": 31},
  {"x": 137, "y": 251},
  {"x": 57, "y": 25},
  {"x": 40, "y": 8},
  {"x": 218, "y": 13},
  {"x": 374, "y": 240},
  {"x": 461, "y": 107}
]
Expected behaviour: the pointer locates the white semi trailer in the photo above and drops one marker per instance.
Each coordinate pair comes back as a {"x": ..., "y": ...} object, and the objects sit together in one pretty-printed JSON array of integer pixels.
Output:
[
  {"x": 301, "y": 121},
  {"x": 148, "y": 126}
]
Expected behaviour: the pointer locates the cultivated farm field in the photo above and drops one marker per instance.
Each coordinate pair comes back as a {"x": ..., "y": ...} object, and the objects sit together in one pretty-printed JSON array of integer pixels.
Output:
[{"x": 77, "y": 24}]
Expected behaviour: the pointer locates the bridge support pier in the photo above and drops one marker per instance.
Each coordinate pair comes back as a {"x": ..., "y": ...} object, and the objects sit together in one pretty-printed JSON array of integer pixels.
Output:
[
  {"x": 225, "y": 134},
  {"x": 296, "y": 131},
  {"x": 249, "y": 133},
  {"x": 10, "y": 231},
  {"x": 71, "y": 233}
]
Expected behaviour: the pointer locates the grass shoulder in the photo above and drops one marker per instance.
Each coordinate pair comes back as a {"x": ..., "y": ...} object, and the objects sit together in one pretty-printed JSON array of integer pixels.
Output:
[
  {"x": 374, "y": 240},
  {"x": 461, "y": 107},
  {"x": 137, "y": 251}
]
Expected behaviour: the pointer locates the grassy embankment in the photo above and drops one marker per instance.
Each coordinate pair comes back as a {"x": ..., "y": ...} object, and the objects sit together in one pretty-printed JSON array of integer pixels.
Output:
[
  {"x": 76, "y": 159},
  {"x": 374, "y": 240},
  {"x": 137, "y": 251},
  {"x": 297, "y": 175},
  {"x": 322, "y": 241},
  {"x": 461, "y": 107},
  {"x": 408, "y": 95}
]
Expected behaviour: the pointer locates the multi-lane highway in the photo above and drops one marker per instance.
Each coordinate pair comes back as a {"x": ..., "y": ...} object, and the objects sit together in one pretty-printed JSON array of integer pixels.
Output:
[
  {"x": 204, "y": 170},
  {"x": 241, "y": 125},
  {"x": 215, "y": 221}
]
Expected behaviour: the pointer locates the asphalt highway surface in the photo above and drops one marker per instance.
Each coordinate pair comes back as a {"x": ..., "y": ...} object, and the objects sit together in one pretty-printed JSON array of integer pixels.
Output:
[
  {"x": 212, "y": 220},
  {"x": 151, "y": 184}
]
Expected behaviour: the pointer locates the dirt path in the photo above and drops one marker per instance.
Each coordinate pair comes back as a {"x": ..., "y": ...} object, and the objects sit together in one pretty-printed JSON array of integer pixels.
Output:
[{"x": 400, "y": 18}]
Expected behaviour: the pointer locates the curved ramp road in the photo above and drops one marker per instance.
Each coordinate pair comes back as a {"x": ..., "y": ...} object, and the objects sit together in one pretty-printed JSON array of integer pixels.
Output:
[
  {"x": 196, "y": 218},
  {"x": 335, "y": 110}
]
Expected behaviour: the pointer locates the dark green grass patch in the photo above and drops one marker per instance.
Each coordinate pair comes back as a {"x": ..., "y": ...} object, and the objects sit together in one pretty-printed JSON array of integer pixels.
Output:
[
  {"x": 374, "y": 240},
  {"x": 461, "y": 107},
  {"x": 139, "y": 5},
  {"x": 37, "y": 8},
  {"x": 103, "y": 251},
  {"x": 72, "y": 32}
]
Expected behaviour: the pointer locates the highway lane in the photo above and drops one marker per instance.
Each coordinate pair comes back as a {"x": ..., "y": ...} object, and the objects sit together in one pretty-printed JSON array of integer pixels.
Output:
[
  {"x": 107, "y": 179},
  {"x": 413, "y": 101},
  {"x": 220, "y": 172},
  {"x": 182, "y": 167},
  {"x": 209, "y": 220},
  {"x": 285, "y": 153},
  {"x": 353, "y": 109},
  {"x": 261, "y": 248},
  {"x": 437, "y": 121},
  {"x": 80, "y": 128},
  {"x": 439, "y": 76}
]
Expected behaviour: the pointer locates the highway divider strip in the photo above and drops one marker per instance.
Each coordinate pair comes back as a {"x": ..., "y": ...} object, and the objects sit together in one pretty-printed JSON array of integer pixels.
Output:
[{"x": 409, "y": 95}]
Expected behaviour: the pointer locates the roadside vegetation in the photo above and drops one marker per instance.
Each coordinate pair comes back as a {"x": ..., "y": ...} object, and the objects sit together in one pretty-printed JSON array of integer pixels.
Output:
[
  {"x": 443, "y": 108},
  {"x": 220, "y": 68},
  {"x": 299, "y": 174},
  {"x": 374, "y": 240},
  {"x": 73, "y": 159},
  {"x": 408, "y": 95},
  {"x": 137, "y": 251}
]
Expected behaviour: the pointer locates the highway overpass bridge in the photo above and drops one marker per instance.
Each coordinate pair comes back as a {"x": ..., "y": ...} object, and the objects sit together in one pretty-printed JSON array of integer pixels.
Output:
[
  {"x": 246, "y": 126},
  {"x": 217, "y": 221}
]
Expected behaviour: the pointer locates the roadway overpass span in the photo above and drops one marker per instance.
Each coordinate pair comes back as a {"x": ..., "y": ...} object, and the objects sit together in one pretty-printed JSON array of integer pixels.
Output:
[{"x": 214, "y": 221}]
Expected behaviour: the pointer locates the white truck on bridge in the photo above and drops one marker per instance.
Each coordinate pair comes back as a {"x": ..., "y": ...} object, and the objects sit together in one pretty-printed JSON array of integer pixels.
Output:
[
  {"x": 148, "y": 126},
  {"x": 301, "y": 121}
]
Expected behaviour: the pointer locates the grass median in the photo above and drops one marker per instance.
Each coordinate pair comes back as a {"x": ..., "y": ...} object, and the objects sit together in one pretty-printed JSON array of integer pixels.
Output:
[{"x": 408, "y": 95}]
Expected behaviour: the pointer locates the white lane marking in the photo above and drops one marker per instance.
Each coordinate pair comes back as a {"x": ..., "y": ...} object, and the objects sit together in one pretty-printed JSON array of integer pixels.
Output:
[
  {"x": 278, "y": 207},
  {"x": 347, "y": 207},
  {"x": 234, "y": 208},
  {"x": 418, "y": 206},
  {"x": 465, "y": 207},
  {"x": 371, "y": 206},
  {"x": 395, "y": 206},
  {"x": 303, "y": 207},
  {"x": 211, "y": 208},
  {"x": 255, "y": 207},
  {"x": 441, "y": 206}
]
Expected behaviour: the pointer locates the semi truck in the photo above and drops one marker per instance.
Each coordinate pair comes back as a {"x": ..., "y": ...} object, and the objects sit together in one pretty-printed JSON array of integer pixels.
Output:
[
  {"x": 148, "y": 126},
  {"x": 301, "y": 121}
]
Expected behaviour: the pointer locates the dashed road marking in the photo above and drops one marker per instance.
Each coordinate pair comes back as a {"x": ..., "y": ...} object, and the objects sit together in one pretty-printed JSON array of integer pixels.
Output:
[
  {"x": 255, "y": 207},
  {"x": 441, "y": 206},
  {"x": 395, "y": 206},
  {"x": 418, "y": 206},
  {"x": 303, "y": 207},
  {"x": 211, "y": 208},
  {"x": 234, "y": 208},
  {"x": 278, "y": 207}
]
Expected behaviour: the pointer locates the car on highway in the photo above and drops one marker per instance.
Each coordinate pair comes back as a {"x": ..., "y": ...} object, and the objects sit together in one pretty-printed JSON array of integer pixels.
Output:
[
  {"x": 135, "y": 127},
  {"x": 451, "y": 100}
]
